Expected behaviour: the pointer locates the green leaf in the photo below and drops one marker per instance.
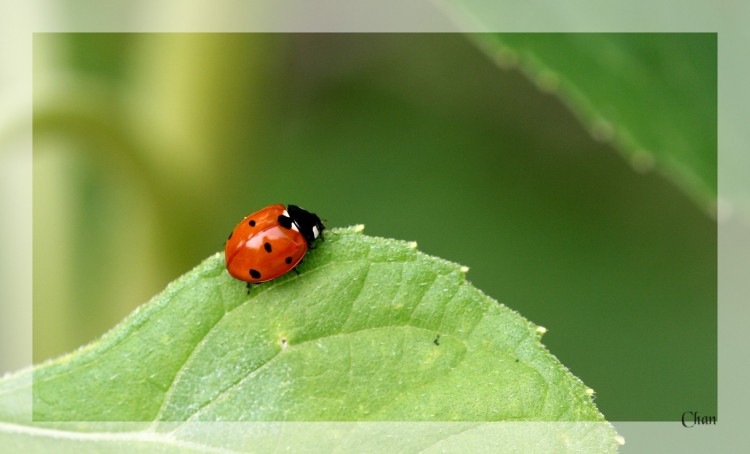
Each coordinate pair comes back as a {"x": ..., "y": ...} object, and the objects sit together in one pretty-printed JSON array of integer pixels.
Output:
[
  {"x": 654, "y": 96},
  {"x": 371, "y": 330}
]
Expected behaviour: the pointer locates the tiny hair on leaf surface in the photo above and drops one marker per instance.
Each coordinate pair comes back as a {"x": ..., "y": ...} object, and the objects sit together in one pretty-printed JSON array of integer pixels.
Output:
[{"x": 370, "y": 330}]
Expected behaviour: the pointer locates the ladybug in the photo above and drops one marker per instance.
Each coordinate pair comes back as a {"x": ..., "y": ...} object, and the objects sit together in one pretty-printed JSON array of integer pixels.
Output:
[{"x": 271, "y": 242}]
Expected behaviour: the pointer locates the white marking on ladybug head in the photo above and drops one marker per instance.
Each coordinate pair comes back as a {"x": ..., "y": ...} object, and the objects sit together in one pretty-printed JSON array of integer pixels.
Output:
[
  {"x": 295, "y": 227},
  {"x": 315, "y": 231},
  {"x": 285, "y": 214}
]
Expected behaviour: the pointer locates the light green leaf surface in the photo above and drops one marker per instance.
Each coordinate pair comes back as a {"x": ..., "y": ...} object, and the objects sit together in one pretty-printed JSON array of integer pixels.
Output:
[
  {"x": 371, "y": 330},
  {"x": 654, "y": 96}
]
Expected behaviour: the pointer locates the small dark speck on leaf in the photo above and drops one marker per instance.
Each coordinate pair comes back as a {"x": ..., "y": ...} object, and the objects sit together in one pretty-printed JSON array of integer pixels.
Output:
[{"x": 437, "y": 340}]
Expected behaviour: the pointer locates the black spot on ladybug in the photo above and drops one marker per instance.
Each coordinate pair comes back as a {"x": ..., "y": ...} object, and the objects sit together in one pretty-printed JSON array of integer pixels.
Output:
[
  {"x": 288, "y": 260},
  {"x": 255, "y": 274},
  {"x": 252, "y": 223},
  {"x": 285, "y": 222},
  {"x": 230, "y": 235},
  {"x": 267, "y": 247}
]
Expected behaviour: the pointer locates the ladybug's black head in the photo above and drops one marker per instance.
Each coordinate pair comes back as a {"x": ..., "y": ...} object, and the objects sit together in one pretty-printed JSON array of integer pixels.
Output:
[{"x": 309, "y": 224}]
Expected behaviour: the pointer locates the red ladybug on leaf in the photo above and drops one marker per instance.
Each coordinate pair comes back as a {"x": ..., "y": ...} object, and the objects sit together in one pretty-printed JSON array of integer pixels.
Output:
[{"x": 271, "y": 242}]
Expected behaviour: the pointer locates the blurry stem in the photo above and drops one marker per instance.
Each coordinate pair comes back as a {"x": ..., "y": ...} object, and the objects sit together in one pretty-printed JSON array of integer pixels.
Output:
[
  {"x": 96, "y": 127},
  {"x": 113, "y": 147},
  {"x": 172, "y": 125}
]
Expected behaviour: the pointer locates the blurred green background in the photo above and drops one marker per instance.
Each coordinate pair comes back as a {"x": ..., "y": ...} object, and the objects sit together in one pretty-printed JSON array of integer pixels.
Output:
[{"x": 574, "y": 174}]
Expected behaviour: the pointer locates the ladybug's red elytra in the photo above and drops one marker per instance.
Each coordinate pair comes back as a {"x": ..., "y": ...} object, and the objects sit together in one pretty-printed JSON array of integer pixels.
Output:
[{"x": 271, "y": 242}]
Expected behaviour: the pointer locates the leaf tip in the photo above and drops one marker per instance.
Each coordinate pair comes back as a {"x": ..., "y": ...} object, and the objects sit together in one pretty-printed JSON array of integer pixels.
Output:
[{"x": 541, "y": 330}]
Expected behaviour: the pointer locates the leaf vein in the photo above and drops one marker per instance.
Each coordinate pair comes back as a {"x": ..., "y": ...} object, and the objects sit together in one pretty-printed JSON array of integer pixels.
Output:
[{"x": 224, "y": 394}]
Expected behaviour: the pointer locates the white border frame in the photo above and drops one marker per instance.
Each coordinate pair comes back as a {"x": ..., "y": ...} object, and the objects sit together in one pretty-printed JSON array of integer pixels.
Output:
[{"x": 20, "y": 20}]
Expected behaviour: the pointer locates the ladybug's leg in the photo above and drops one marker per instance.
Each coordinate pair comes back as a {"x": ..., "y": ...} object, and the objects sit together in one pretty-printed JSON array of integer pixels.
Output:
[
  {"x": 311, "y": 245},
  {"x": 300, "y": 263},
  {"x": 248, "y": 287}
]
